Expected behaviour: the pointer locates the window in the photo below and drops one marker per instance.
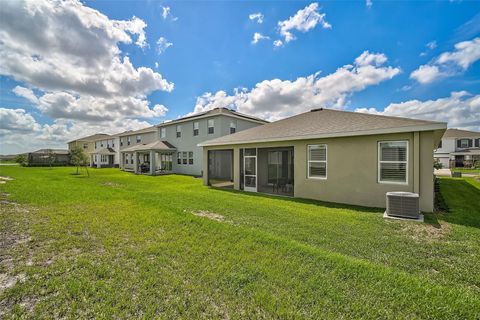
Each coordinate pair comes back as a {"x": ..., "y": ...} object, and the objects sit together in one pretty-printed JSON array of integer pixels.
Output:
[
  {"x": 393, "y": 162},
  {"x": 464, "y": 143},
  {"x": 477, "y": 142},
  {"x": 128, "y": 141},
  {"x": 211, "y": 126},
  {"x": 108, "y": 144},
  {"x": 233, "y": 127},
  {"x": 317, "y": 161},
  {"x": 195, "y": 128},
  {"x": 184, "y": 157},
  {"x": 101, "y": 144},
  {"x": 190, "y": 157},
  {"x": 139, "y": 139},
  {"x": 439, "y": 145},
  {"x": 179, "y": 131},
  {"x": 179, "y": 158},
  {"x": 126, "y": 158},
  {"x": 113, "y": 143},
  {"x": 163, "y": 132},
  {"x": 85, "y": 146},
  {"x": 121, "y": 142},
  {"x": 95, "y": 145}
]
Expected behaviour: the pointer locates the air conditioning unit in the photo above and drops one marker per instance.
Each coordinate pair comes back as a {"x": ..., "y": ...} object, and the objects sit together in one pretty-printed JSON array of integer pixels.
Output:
[{"x": 403, "y": 204}]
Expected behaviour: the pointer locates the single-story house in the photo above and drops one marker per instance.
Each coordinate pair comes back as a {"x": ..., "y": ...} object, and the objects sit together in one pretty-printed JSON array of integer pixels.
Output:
[
  {"x": 329, "y": 155},
  {"x": 46, "y": 157}
]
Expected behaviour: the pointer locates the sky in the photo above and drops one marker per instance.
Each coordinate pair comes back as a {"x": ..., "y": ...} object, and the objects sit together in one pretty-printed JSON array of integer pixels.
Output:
[{"x": 70, "y": 69}]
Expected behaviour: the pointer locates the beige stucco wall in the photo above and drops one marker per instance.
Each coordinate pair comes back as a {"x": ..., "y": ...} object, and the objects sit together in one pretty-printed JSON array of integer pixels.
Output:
[
  {"x": 352, "y": 170},
  {"x": 80, "y": 143}
]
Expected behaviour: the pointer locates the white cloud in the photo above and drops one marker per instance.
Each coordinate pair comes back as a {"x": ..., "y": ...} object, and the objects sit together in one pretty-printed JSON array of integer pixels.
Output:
[
  {"x": 258, "y": 37},
  {"x": 426, "y": 74},
  {"x": 460, "y": 110},
  {"x": 431, "y": 45},
  {"x": 162, "y": 45},
  {"x": 25, "y": 93},
  {"x": 256, "y": 17},
  {"x": 275, "y": 99},
  {"x": 68, "y": 58},
  {"x": 16, "y": 121},
  {"x": 464, "y": 55},
  {"x": 156, "y": 65},
  {"x": 449, "y": 63},
  {"x": 304, "y": 20},
  {"x": 165, "y": 12},
  {"x": 20, "y": 132},
  {"x": 368, "y": 3},
  {"x": 277, "y": 43}
]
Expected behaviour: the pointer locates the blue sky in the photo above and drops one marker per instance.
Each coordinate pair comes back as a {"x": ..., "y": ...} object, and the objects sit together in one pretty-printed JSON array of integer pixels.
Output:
[{"x": 211, "y": 51}]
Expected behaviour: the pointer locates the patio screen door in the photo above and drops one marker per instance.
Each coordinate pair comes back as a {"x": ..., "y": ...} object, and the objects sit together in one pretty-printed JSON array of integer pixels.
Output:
[{"x": 250, "y": 170}]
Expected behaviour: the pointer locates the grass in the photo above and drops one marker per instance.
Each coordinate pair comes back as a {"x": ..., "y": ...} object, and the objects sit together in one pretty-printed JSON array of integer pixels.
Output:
[
  {"x": 464, "y": 170},
  {"x": 120, "y": 245}
]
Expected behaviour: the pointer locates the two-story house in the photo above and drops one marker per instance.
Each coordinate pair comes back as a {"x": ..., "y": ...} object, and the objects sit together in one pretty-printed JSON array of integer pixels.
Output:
[
  {"x": 106, "y": 153},
  {"x": 172, "y": 146},
  {"x": 458, "y": 148},
  {"x": 87, "y": 144}
]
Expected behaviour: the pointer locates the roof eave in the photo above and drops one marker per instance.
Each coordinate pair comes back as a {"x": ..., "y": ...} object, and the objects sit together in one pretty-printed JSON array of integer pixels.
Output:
[{"x": 425, "y": 127}]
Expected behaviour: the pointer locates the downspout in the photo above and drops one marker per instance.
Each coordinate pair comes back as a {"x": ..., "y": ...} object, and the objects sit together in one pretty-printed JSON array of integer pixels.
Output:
[{"x": 416, "y": 162}]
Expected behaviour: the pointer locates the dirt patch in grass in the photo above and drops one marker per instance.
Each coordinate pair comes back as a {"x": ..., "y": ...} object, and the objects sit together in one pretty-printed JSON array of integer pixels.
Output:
[
  {"x": 111, "y": 184},
  {"x": 15, "y": 252},
  {"x": 208, "y": 214},
  {"x": 424, "y": 232}
]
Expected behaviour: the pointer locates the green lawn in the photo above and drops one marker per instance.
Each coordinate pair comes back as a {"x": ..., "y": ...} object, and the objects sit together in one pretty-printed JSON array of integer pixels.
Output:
[
  {"x": 471, "y": 171},
  {"x": 119, "y": 245}
]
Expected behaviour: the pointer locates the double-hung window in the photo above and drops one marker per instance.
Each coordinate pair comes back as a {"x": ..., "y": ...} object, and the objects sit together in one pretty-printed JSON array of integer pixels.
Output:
[
  {"x": 163, "y": 132},
  {"x": 121, "y": 142},
  {"x": 317, "y": 161},
  {"x": 179, "y": 131},
  {"x": 196, "y": 127},
  {"x": 233, "y": 127},
  {"x": 184, "y": 157},
  {"x": 85, "y": 146},
  {"x": 179, "y": 158},
  {"x": 211, "y": 126},
  {"x": 139, "y": 139},
  {"x": 393, "y": 162},
  {"x": 190, "y": 157},
  {"x": 128, "y": 141}
]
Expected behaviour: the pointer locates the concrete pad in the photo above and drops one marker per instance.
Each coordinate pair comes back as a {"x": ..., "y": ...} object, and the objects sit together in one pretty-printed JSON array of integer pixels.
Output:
[
  {"x": 442, "y": 172},
  {"x": 420, "y": 218}
]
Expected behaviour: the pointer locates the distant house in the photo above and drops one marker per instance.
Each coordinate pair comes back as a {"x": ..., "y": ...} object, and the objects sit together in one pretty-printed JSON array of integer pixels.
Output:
[
  {"x": 458, "y": 148},
  {"x": 106, "y": 152},
  {"x": 329, "y": 155},
  {"x": 45, "y": 157},
  {"x": 87, "y": 144},
  {"x": 172, "y": 147}
]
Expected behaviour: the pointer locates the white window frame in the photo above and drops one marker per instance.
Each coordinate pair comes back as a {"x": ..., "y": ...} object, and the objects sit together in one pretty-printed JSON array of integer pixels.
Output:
[
  {"x": 317, "y": 161},
  {"x": 196, "y": 126},
  {"x": 163, "y": 132},
  {"x": 379, "y": 162},
  {"x": 138, "y": 139},
  {"x": 212, "y": 121}
]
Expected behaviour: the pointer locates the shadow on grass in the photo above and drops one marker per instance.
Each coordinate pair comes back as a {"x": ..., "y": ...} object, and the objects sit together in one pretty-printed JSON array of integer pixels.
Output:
[
  {"x": 303, "y": 201},
  {"x": 463, "y": 201}
]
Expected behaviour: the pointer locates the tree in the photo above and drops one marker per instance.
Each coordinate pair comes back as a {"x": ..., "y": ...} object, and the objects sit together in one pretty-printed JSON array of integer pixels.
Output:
[
  {"x": 437, "y": 164},
  {"x": 21, "y": 159},
  {"x": 79, "y": 158},
  {"x": 50, "y": 157}
]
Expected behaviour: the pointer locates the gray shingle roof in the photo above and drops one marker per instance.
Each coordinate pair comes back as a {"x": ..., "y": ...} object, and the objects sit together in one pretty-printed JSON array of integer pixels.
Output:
[
  {"x": 322, "y": 123},
  {"x": 133, "y": 132},
  {"x": 156, "y": 145},
  {"x": 92, "y": 137},
  {"x": 457, "y": 133}
]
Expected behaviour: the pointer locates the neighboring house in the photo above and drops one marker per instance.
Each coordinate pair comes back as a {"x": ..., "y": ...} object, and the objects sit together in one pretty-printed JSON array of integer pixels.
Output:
[
  {"x": 86, "y": 143},
  {"x": 329, "y": 155},
  {"x": 172, "y": 147},
  {"x": 46, "y": 157},
  {"x": 106, "y": 153},
  {"x": 458, "y": 148}
]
